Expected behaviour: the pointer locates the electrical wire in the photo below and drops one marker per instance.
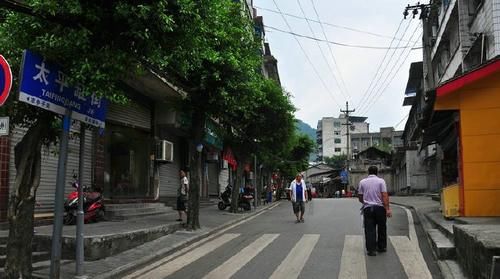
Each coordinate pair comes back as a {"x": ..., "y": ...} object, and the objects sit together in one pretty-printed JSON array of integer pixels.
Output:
[
  {"x": 392, "y": 78},
  {"x": 307, "y": 57},
  {"x": 400, "y": 121},
  {"x": 376, "y": 77},
  {"x": 327, "y": 23},
  {"x": 329, "y": 48},
  {"x": 330, "y": 42},
  {"x": 322, "y": 53}
]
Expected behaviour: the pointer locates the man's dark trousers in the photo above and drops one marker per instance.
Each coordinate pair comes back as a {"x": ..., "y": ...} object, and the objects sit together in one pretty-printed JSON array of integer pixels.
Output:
[{"x": 375, "y": 228}]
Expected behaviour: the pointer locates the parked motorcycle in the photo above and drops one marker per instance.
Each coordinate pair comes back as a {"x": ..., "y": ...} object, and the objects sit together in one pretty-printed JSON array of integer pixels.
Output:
[
  {"x": 93, "y": 206},
  {"x": 244, "y": 199}
]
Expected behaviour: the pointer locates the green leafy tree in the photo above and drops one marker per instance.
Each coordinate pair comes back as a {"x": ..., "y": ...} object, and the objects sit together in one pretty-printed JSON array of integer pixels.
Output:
[
  {"x": 207, "y": 46},
  {"x": 336, "y": 161}
]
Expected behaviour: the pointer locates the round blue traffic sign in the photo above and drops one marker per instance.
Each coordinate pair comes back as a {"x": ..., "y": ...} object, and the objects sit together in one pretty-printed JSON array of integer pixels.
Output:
[{"x": 5, "y": 80}]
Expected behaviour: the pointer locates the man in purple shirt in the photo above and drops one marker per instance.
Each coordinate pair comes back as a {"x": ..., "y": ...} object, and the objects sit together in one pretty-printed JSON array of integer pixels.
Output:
[{"x": 372, "y": 193}]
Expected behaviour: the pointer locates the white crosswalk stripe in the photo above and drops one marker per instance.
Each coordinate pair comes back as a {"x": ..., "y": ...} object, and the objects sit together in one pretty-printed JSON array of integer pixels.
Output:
[
  {"x": 184, "y": 260},
  {"x": 231, "y": 266},
  {"x": 292, "y": 265},
  {"x": 352, "y": 263},
  {"x": 411, "y": 257}
]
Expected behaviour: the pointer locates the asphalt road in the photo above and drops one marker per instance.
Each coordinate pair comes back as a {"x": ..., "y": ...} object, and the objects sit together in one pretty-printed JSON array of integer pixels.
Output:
[{"x": 329, "y": 244}]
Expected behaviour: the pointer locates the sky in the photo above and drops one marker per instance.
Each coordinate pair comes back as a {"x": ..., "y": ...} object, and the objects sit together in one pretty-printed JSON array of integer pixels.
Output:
[{"x": 321, "y": 87}]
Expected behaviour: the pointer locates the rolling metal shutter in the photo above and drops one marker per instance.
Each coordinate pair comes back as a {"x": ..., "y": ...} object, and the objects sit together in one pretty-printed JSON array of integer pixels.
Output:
[
  {"x": 131, "y": 114},
  {"x": 46, "y": 189},
  {"x": 169, "y": 172}
]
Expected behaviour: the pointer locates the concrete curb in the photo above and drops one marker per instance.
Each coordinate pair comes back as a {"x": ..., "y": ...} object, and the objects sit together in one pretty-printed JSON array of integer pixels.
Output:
[
  {"x": 444, "y": 267},
  {"x": 124, "y": 269}
]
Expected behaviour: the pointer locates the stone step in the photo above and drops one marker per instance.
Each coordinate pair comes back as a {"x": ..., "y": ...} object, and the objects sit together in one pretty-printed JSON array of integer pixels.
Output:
[
  {"x": 113, "y": 206},
  {"x": 127, "y": 211},
  {"x": 35, "y": 257},
  {"x": 451, "y": 269},
  {"x": 442, "y": 246},
  {"x": 439, "y": 222},
  {"x": 133, "y": 214}
]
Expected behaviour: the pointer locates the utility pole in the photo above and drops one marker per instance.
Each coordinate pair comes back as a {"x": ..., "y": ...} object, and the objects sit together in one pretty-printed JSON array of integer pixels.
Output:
[{"x": 348, "y": 127}]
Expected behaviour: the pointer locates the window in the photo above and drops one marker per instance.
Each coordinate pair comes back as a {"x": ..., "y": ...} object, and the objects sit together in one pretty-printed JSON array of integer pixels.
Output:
[
  {"x": 337, "y": 149},
  {"x": 337, "y": 133},
  {"x": 336, "y": 124},
  {"x": 337, "y": 141}
]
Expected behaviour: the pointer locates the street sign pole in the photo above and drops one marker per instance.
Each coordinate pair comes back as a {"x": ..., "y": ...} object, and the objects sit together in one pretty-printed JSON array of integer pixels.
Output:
[
  {"x": 80, "y": 214},
  {"x": 55, "y": 257}
]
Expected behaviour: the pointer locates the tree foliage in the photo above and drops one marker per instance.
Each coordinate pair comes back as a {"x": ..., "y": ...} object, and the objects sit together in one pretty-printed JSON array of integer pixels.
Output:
[{"x": 336, "y": 161}]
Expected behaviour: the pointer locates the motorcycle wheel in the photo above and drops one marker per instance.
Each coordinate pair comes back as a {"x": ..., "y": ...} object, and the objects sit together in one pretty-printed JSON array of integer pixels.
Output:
[
  {"x": 99, "y": 215},
  {"x": 69, "y": 218},
  {"x": 246, "y": 206},
  {"x": 221, "y": 205}
]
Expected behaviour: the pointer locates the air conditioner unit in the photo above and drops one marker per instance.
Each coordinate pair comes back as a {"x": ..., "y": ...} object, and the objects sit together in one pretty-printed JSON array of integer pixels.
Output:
[{"x": 164, "y": 151}]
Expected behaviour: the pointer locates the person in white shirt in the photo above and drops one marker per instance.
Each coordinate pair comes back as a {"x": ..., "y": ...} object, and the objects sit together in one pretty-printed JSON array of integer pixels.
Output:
[
  {"x": 182, "y": 194},
  {"x": 298, "y": 196}
]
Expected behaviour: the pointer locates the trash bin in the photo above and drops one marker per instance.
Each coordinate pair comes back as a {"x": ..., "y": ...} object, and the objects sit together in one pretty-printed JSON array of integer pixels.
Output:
[{"x": 450, "y": 201}]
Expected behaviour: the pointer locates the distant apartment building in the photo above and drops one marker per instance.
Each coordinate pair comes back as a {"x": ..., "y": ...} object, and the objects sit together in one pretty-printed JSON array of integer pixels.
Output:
[
  {"x": 387, "y": 139},
  {"x": 332, "y": 134}
]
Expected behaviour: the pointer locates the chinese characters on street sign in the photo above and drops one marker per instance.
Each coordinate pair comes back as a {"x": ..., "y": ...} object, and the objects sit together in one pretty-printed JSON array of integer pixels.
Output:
[
  {"x": 44, "y": 85},
  {"x": 4, "y": 126}
]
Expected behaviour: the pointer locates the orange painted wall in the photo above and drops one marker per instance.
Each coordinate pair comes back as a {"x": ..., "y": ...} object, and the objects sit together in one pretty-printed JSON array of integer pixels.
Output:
[{"x": 480, "y": 131}]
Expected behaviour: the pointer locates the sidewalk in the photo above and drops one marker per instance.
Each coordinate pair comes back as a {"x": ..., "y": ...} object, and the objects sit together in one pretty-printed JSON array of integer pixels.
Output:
[
  {"x": 174, "y": 239},
  {"x": 463, "y": 246}
]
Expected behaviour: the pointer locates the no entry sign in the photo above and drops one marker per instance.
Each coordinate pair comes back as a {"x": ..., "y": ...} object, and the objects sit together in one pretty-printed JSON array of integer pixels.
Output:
[{"x": 5, "y": 80}]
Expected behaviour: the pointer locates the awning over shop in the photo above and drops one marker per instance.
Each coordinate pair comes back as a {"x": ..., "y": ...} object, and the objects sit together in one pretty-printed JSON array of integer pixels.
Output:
[
  {"x": 469, "y": 78},
  {"x": 443, "y": 124}
]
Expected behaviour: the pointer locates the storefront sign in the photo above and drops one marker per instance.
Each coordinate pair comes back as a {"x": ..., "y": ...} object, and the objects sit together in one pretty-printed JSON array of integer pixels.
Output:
[
  {"x": 5, "y": 80},
  {"x": 44, "y": 85},
  {"x": 4, "y": 126}
]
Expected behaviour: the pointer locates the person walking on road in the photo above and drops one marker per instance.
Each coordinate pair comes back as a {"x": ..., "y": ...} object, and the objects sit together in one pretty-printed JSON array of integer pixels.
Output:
[
  {"x": 372, "y": 193},
  {"x": 298, "y": 196},
  {"x": 182, "y": 193}
]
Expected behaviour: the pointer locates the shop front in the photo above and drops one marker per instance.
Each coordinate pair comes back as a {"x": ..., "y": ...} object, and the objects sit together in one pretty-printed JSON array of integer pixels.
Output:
[
  {"x": 127, "y": 151},
  {"x": 475, "y": 100}
]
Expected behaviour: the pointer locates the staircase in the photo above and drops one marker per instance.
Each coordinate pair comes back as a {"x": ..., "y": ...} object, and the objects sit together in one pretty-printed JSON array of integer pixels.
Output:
[
  {"x": 36, "y": 255},
  {"x": 126, "y": 211}
]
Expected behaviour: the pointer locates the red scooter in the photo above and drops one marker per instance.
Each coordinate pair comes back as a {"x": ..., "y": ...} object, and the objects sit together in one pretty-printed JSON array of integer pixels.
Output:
[{"x": 93, "y": 206}]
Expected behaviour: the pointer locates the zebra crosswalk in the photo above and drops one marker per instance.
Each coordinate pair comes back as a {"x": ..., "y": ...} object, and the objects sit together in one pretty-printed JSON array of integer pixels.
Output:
[{"x": 352, "y": 264}]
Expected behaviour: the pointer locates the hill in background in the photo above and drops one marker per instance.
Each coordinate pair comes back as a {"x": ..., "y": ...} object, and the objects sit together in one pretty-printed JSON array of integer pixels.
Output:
[{"x": 304, "y": 128}]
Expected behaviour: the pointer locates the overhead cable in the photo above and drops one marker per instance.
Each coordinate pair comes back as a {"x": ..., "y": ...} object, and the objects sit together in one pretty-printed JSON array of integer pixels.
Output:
[
  {"x": 380, "y": 93},
  {"x": 329, "y": 48},
  {"x": 307, "y": 57},
  {"x": 339, "y": 85},
  {"x": 330, "y": 42},
  {"x": 369, "y": 89},
  {"x": 327, "y": 23}
]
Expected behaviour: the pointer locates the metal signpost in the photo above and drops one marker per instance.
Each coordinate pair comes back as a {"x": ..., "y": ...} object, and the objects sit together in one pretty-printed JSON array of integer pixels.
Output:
[{"x": 44, "y": 85}]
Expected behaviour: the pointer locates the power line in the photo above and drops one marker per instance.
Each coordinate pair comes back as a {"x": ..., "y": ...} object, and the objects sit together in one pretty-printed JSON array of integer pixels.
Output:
[
  {"x": 400, "y": 121},
  {"x": 329, "y": 47},
  {"x": 307, "y": 57},
  {"x": 321, "y": 51},
  {"x": 330, "y": 42},
  {"x": 326, "y": 23},
  {"x": 392, "y": 78},
  {"x": 369, "y": 90},
  {"x": 376, "y": 91}
]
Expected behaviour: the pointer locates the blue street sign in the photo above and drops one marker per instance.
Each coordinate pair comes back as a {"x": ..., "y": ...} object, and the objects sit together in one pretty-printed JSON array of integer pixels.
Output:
[
  {"x": 44, "y": 85},
  {"x": 344, "y": 177}
]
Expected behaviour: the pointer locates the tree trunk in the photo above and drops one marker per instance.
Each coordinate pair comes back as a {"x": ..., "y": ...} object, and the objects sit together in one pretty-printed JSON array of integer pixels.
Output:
[
  {"x": 22, "y": 201},
  {"x": 235, "y": 195},
  {"x": 193, "y": 220}
]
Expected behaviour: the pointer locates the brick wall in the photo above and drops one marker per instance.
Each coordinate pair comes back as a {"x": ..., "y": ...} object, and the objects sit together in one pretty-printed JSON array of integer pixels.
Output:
[{"x": 4, "y": 176}]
